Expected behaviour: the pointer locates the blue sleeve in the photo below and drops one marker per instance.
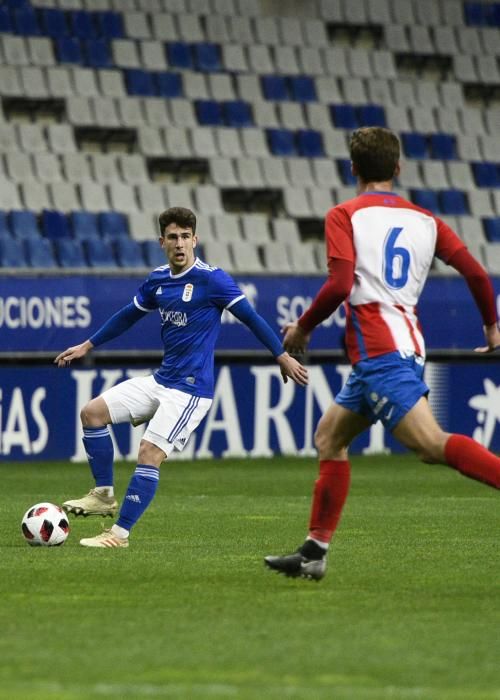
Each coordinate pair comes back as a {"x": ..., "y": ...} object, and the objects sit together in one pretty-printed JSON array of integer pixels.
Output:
[
  {"x": 145, "y": 298},
  {"x": 223, "y": 290},
  {"x": 259, "y": 327},
  {"x": 117, "y": 324}
]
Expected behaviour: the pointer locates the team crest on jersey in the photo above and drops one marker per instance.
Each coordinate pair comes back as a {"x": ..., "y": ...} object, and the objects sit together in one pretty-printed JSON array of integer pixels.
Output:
[{"x": 187, "y": 294}]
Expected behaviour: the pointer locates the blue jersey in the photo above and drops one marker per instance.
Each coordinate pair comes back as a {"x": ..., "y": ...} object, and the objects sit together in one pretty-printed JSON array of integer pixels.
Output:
[{"x": 190, "y": 305}]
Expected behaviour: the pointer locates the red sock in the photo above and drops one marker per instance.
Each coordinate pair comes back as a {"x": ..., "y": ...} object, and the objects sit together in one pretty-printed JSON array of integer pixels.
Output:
[
  {"x": 472, "y": 459},
  {"x": 330, "y": 492}
]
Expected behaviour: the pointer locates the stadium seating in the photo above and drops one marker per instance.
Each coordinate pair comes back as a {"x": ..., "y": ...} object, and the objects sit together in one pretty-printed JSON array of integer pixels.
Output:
[{"x": 225, "y": 100}]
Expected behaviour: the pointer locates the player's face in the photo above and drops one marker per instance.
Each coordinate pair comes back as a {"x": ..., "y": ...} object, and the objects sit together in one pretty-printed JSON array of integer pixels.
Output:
[{"x": 178, "y": 244}]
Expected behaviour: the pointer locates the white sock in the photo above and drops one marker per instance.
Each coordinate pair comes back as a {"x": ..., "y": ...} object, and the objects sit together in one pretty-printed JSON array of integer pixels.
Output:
[
  {"x": 105, "y": 491},
  {"x": 323, "y": 545},
  {"x": 120, "y": 532}
]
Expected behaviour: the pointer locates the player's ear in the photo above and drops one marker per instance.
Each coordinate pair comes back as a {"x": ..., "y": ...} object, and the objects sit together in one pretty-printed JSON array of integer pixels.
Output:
[{"x": 195, "y": 241}]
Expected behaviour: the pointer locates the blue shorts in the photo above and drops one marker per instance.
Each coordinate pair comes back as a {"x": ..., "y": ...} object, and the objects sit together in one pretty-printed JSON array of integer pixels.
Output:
[{"x": 384, "y": 388}]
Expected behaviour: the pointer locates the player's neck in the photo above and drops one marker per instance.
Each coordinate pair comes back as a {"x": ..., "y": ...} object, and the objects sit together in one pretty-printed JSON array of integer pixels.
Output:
[{"x": 385, "y": 186}]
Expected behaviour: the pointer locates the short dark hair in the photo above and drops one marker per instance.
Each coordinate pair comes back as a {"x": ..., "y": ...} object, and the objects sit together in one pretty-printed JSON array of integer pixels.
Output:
[
  {"x": 177, "y": 215},
  {"x": 375, "y": 153}
]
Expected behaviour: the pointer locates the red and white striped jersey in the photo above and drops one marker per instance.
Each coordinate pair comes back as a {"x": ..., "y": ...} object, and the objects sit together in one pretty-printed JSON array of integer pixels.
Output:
[{"x": 391, "y": 243}]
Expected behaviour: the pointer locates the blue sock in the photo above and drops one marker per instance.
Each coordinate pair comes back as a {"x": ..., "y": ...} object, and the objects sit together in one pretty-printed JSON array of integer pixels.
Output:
[
  {"x": 140, "y": 493},
  {"x": 100, "y": 453}
]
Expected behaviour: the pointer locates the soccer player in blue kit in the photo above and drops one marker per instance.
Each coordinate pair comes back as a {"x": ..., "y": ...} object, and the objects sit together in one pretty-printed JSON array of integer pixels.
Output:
[{"x": 190, "y": 297}]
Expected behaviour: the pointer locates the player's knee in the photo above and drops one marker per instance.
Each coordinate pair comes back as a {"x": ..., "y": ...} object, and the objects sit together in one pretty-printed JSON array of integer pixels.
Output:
[
  {"x": 432, "y": 451},
  {"x": 328, "y": 445},
  {"x": 91, "y": 416},
  {"x": 150, "y": 454}
]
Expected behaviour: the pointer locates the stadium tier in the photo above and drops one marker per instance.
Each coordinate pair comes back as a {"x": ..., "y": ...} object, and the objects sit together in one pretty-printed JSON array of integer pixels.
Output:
[{"x": 113, "y": 110}]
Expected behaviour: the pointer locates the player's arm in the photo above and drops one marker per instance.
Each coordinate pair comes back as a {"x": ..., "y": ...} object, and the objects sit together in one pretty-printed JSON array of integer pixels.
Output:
[
  {"x": 451, "y": 249},
  {"x": 341, "y": 255},
  {"x": 483, "y": 293},
  {"x": 335, "y": 290},
  {"x": 121, "y": 321},
  {"x": 289, "y": 367}
]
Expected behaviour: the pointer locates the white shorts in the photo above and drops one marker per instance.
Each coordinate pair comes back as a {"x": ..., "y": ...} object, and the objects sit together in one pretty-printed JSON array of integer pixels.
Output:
[{"x": 172, "y": 414}]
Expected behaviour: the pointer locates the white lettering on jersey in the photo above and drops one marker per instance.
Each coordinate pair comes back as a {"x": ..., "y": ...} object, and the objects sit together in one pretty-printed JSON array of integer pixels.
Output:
[
  {"x": 177, "y": 318},
  {"x": 187, "y": 294}
]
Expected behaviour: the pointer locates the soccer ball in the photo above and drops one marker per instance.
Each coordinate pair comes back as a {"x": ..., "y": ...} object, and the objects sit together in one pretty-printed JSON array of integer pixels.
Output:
[{"x": 45, "y": 524}]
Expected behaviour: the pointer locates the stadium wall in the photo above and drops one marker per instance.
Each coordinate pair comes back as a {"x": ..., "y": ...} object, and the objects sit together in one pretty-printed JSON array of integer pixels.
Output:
[{"x": 253, "y": 412}]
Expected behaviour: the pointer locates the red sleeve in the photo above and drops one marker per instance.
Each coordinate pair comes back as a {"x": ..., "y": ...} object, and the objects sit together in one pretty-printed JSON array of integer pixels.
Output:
[
  {"x": 479, "y": 283},
  {"x": 338, "y": 235},
  {"x": 447, "y": 242},
  {"x": 331, "y": 295}
]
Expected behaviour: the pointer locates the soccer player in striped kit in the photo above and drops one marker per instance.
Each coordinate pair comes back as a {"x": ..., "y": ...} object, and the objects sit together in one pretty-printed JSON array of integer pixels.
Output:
[
  {"x": 380, "y": 249},
  {"x": 190, "y": 297}
]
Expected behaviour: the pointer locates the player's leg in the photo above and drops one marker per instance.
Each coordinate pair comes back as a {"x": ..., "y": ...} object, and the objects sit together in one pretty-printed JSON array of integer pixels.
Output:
[
  {"x": 141, "y": 491},
  {"x": 176, "y": 417},
  {"x": 420, "y": 432},
  {"x": 129, "y": 401},
  {"x": 336, "y": 430}
]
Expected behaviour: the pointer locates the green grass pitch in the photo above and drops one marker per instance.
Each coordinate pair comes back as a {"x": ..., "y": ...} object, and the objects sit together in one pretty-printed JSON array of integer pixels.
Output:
[{"x": 409, "y": 609}]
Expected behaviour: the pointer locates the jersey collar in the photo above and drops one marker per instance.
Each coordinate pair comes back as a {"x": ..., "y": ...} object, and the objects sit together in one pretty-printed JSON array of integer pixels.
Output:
[
  {"x": 394, "y": 194},
  {"x": 181, "y": 274}
]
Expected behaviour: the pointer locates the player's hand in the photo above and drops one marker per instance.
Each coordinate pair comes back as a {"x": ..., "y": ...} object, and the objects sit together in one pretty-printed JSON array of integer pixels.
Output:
[
  {"x": 74, "y": 353},
  {"x": 295, "y": 340},
  {"x": 492, "y": 335},
  {"x": 290, "y": 367}
]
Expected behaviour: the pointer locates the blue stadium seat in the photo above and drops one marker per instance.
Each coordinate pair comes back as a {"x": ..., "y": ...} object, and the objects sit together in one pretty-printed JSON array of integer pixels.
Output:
[
  {"x": 12, "y": 253},
  {"x": 453, "y": 202},
  {"x": 302, "y": 88},
  {"x": 492, "y": 229},
  {"x": 486, "y": 174},
  {"x": 153, "y": 254},
  {"x": 179, "y": 55},
  {"x": 414, "y": 145},
  {"x": 99, "y": 253},
  {"x": 53, "y": 22},
  {"x": 427, "y": 199},
  {"x": 344, "y": 168},
  {"x": 371, "y": 115},
  {"x": 69, "y": 253},
  {"x": 478, "y": 14},
  {"x": 443, "y": 146},
  {"x": 41, "y": 254},
  {"x": 237, "y": 113},
  {"x": 96, "y": 52},
  {"x": 168, "y": 85},
  {"x": 310, "y": 143},
  {"x": 281, "y": 142},
  {"x": 68, "y": 50},
  {"x": 209, "y": 113},
  {"x": 112, "y": 224},
  {"x": 274, "y": 87},
  {"x": 26, "y": 21},
  {"x": 84, "y": 225},
  {"x": 5, "y": 20},
  {"x": 54, "y": 224},
  {"x": 109, "y": 24},
  {"x": 5, "y": 231},
  {"x": 129, "y": 253},
  {"x": 24, "y": 224},
  {"x": 81, "y": 24},
  {"x": 139, "y": 82},
  {"x": 344, "y": 116},
  {"x": 206, "y": 57}
]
